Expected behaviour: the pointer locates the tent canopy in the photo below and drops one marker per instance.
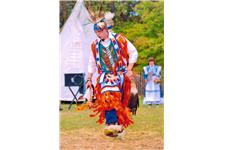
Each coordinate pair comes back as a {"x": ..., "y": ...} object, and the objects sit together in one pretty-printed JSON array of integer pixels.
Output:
[{"x": 75, "y": 46}]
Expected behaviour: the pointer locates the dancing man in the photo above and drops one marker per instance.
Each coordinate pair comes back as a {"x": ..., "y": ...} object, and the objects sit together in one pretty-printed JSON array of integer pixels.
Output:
[{"x": 113, "y": 56}]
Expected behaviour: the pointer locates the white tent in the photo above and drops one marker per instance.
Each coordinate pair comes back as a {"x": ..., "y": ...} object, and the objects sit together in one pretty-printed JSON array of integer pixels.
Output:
[{"x": 75, "y": 45}]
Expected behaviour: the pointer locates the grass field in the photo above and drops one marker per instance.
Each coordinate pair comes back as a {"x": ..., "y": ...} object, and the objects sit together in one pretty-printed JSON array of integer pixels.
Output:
[{"x": 79, "y": 131}]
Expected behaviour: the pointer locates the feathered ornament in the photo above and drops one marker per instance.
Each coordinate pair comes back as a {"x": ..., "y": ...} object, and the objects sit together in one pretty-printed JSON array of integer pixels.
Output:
[
  {"x": 87, "y": 98},
  {"x": 109, "y": 19},
  {"x": 105, "y": 22}
]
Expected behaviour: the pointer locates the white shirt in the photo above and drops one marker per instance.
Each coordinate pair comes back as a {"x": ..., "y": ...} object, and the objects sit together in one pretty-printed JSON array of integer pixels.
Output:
[{"x": 132, "y": 52}]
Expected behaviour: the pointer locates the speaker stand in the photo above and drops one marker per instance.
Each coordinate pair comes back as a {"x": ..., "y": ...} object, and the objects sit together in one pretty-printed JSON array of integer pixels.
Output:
[{"x": 74, "y": 97}]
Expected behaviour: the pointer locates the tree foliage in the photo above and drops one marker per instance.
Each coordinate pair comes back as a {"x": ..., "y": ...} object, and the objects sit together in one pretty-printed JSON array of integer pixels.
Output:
[{"x": 147, "y": 33}]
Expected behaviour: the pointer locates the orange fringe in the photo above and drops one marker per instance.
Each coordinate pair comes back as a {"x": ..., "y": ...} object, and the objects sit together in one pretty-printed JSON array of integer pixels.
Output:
[
  {"x": 113, "y": 100},
  {"x": 82, "y": 107}
]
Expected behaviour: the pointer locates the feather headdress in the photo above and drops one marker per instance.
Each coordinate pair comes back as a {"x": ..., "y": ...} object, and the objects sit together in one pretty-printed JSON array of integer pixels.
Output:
[{"x": 105, "y": 22}]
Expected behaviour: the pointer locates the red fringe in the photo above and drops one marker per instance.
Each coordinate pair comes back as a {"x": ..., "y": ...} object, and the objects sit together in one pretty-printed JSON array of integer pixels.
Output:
[
  {"x": 126, "y": 91},
  {"x": 113, "y": 100}
]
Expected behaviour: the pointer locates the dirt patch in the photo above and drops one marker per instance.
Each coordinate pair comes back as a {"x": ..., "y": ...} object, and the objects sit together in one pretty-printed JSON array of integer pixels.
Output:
[{"x": 85, "y": 139}]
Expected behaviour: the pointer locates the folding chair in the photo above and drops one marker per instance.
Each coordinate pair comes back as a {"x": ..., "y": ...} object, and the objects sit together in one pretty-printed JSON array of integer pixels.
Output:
[{"x": 72, "y": 80}]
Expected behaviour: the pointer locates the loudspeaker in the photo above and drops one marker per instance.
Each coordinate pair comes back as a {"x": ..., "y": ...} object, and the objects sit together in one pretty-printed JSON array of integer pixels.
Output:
[{"x": 75, "y": 79}]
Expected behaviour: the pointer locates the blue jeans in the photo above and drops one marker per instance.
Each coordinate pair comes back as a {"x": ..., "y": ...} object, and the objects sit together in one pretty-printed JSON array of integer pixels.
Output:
[{"x": 111, "y": 117}]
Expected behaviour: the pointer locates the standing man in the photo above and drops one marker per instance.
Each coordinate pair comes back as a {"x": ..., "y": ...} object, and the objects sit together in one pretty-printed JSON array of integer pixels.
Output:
[
  {"x": 113, "y": 56},
  {"x": 152, "y": 75}
]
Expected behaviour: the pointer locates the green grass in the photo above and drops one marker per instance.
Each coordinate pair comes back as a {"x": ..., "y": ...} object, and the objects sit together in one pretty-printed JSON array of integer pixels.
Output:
[
  {"x": 79, "y": 131},
  {"x": 71, "y": 120},
  {"x": 147, "y": 119}
]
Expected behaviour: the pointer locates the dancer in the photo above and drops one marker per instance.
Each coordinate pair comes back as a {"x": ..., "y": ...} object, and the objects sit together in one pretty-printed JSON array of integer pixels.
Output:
[{"x": 113, "y": 56}]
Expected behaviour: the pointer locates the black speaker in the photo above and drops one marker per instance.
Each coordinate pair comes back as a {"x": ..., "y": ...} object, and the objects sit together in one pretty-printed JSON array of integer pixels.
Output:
[{"x": 75, "y": 79}]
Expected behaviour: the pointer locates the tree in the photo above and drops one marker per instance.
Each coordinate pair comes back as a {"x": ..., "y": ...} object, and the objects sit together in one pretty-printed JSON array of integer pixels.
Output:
[{"x": 147, "y": 34}]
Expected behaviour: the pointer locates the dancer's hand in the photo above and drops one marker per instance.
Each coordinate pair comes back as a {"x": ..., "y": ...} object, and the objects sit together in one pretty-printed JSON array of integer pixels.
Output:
[
  {"x": 129, "y": 71},
  {"x": 88, "y": 83},
  {"x": 129, "y": 74}
]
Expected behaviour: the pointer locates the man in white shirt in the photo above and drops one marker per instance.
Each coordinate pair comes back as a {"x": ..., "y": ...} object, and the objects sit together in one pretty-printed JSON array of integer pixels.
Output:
[{"x": 113, "y": 56}]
